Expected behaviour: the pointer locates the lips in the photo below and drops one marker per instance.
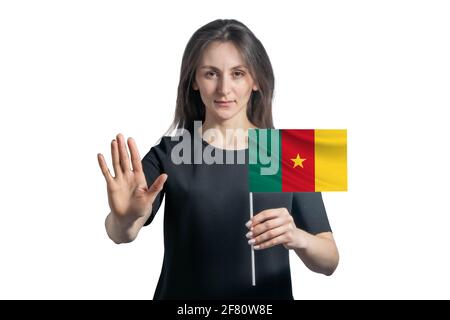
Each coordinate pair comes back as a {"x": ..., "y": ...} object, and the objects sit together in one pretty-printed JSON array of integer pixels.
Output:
[{"x": 224, "y": 103}]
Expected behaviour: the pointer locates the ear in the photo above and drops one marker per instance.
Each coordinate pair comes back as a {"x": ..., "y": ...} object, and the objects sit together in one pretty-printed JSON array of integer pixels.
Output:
[
  {"x": 194, "y": 86},
  {"x": 255, "y": 87}
]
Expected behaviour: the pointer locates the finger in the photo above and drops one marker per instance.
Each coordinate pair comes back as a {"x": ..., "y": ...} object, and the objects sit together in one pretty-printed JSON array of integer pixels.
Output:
[
  {"x": 157, "y": 186},
  {"x": 135, "y": 158},
  {"x": 115, "y": 158},
  {"x": 271, "y": 243},
  {"x": 267, "y": 225},
  {"x": 104, "y": 168},
  {"x": 268, "y": 235},
  {"x": 123, "y": 154},
  {"x": 266, "y": 215}
]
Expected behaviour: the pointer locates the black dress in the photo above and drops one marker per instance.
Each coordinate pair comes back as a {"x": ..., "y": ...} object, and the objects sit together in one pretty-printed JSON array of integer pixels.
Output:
[{"x": 206, "y": 252}]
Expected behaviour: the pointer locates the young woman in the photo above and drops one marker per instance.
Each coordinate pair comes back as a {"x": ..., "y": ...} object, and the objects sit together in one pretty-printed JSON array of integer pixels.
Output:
[{"x": 227, "y": 83}]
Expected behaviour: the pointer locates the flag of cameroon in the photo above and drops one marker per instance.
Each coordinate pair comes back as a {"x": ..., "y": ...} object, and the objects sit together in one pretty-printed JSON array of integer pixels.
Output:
[{"x": 297, "y": 160}]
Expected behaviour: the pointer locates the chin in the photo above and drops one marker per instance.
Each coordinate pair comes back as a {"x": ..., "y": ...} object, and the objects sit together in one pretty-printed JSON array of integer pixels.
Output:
[{"x": 225, "y": 114}]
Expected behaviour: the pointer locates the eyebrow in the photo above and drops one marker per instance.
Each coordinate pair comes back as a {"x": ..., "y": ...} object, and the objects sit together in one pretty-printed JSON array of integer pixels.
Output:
[{"x": 215, "y": 68}]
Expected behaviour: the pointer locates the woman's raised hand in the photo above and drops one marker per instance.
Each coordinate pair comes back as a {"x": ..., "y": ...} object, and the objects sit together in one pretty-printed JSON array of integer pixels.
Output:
[{"x": 128, "y": 195}]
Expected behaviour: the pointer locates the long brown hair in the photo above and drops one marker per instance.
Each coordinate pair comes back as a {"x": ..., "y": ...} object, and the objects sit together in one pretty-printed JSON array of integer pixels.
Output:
[{"x": 190, "y": 106}]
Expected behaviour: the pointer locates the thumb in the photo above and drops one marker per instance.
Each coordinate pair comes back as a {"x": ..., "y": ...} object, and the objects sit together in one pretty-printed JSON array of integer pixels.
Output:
[{"x": 156, "y": 187}]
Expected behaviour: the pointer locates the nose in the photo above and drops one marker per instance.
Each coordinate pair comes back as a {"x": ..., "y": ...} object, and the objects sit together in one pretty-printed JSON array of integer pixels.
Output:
[{"x": 224, "y": 86}]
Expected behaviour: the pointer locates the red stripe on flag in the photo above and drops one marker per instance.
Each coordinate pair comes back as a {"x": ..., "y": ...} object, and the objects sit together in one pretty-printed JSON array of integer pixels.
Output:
[{"x": 301, "y": 143}]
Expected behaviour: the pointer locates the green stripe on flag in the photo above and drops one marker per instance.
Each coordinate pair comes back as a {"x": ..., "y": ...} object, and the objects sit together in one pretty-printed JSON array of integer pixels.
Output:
[{"x": 264, "y": 171}]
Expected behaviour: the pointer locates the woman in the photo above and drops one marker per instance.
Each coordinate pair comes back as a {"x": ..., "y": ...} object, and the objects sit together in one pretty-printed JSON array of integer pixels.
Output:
[{"x": 227, "y": 83}]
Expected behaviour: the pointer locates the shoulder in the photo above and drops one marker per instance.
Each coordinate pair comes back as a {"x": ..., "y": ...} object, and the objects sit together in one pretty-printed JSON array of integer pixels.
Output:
[{"x": 163, "y": 147}]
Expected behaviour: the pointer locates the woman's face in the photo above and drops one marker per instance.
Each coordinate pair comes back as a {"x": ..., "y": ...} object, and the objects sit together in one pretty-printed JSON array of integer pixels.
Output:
[{"x": 224, "y": 82}]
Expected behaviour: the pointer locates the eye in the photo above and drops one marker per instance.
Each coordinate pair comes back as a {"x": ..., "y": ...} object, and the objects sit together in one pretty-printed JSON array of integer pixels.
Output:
[
  {"x": 238, "y": 74},
  {"x": 210, "y": 74}
]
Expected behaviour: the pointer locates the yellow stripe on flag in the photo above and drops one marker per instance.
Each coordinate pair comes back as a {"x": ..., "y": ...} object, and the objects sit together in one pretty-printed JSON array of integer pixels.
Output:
[{"x": 330, "y": 160}]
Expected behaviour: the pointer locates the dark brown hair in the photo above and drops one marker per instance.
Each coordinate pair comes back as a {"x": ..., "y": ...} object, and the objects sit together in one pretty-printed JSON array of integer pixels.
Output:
[{"x": 190, "y": 106}]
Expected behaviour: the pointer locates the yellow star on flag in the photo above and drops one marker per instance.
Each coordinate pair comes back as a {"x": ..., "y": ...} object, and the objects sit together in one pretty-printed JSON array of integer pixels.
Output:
[{"x": 298, "y": 161}]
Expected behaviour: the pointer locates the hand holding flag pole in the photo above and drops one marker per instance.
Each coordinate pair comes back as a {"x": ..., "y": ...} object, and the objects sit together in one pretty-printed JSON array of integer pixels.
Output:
[{"x": 299, "y": 160}]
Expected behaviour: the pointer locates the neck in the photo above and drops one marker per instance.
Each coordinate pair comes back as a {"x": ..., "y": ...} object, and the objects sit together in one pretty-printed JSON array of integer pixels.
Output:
[
  {"x": 231, "y": 124},
  {"x": 228, "y": 134}
]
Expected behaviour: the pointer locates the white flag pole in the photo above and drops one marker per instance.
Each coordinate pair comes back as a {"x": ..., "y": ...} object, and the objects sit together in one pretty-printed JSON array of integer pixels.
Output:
[{"x": 251, "y": 249}]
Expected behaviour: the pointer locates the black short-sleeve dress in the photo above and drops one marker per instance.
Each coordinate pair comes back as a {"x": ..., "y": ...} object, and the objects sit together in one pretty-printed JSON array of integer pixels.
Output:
[{"x": 206, "y": 254}]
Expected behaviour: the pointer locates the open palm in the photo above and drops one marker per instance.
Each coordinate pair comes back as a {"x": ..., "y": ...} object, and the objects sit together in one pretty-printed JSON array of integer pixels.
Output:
[{"x": 128, "y": 195}]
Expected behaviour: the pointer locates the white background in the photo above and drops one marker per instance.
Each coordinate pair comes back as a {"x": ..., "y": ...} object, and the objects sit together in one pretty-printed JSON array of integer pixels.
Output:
[{"x": 75, "y": 73}]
